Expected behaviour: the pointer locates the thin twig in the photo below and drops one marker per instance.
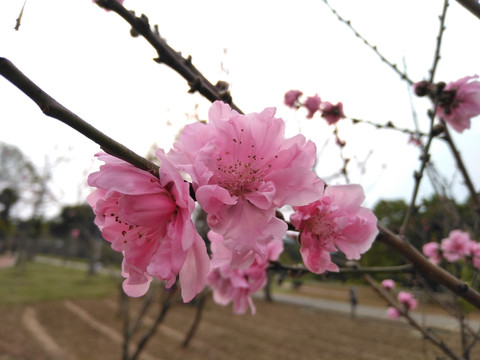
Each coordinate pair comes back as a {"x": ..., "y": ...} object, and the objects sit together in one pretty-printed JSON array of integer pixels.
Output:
[
  {"x": 389, "y": 125},
  {"x": 167, "y": 304},
  {"x": 426, "y": 332},
  {"x": 170, "y": 57},
  {"x": 18, "y": 22},
  {"x": 461, "y": 166},
  {"x": 394, "y": 67},
  {"x": 436, "y": 57},
  {"x": 299, "y": 270},
  {"x": 199, "y": 306},
  {"x": 418, "y": 175}
]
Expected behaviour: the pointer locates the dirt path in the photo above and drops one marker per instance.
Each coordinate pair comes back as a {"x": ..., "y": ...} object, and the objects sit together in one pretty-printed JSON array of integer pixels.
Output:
[
  {"x": 41, "y": 335},
  {"x": 105, "y": 330}
]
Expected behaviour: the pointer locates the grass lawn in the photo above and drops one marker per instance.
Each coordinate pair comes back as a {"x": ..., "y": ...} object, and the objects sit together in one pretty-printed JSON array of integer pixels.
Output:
[{"x": 37, "y": 282}]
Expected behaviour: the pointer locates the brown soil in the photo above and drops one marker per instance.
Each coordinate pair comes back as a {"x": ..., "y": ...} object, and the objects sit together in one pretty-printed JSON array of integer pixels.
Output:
[{"x": 92, "y": 329}]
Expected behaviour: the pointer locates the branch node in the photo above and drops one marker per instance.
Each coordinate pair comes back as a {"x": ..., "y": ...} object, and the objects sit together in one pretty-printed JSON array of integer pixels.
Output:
[{"x": 195, "y": 85}]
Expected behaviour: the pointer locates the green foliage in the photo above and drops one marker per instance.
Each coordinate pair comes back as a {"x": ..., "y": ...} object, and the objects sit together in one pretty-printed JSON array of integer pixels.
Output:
[{"x": 42, "y": 282}]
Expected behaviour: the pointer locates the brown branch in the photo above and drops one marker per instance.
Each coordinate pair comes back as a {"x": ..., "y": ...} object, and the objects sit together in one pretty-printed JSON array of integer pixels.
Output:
[
  {"x": 54, "y": 109},
  {"x": 200, "y": 305},
  {"x": 471, "y": 5},
  {"x": 428, "y": 269},
  {"x": 167, "y": 304},
  {"x": 170, "y": 57},
  {"x": 426, "y": 332}
]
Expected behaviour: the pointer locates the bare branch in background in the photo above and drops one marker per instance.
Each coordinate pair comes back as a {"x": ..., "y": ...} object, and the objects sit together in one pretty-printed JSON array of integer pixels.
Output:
[
  {"x": 393, "y": 66},
  {"x": 436, "y": 57},
  {"x": 426, "y": 332}
]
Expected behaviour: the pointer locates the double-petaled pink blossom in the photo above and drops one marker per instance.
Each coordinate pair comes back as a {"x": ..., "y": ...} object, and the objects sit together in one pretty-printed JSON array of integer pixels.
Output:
[
  {"x": 234, "y": 284},
  {"x": 242, "y": 169},
  {"x": 148, "y": 219},
  {"x": 336, "y": 221},
  {"x": 461, "y": 103},
  {"x": 432, "y": 251},
  {"x": 291, "y": 98},
  {"x": 388, "y": 284},
  {"x": 457, "y": 246}
]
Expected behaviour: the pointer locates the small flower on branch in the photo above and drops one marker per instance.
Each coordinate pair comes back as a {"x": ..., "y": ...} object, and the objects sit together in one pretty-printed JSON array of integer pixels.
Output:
[
  {"x": 312, "y": 104},
  {"x": 456, "y": 246},
  {"x": 458, "y": 101},
  {"x": 407, "y": 300},
  {"x": 388, "y": 284},
  {"x": 291, "y": 98},
  {"x": 432, "y": 251},
  {"x": 332, "y": 113}
]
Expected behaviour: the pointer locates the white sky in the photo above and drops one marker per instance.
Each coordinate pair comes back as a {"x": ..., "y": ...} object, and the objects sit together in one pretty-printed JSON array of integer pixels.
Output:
[{"x": 85, "y": 58}]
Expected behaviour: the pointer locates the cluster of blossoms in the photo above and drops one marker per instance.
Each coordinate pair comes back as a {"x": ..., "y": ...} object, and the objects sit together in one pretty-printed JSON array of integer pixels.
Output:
[
  {"x": 242, "y": 169},
  {"x": 406, "y": 300},
  {"x": 331, "y": 113},
  {"x": 457, "y": 246},
  {"x": 458, "y": 101}
]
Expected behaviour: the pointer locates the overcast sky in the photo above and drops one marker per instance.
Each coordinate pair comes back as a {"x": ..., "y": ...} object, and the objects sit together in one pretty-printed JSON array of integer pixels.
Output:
[{"x": 85, "y": 58}]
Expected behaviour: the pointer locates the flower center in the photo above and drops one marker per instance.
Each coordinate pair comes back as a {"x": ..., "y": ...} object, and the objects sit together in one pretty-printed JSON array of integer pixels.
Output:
[{"x": 239, "y": 168}]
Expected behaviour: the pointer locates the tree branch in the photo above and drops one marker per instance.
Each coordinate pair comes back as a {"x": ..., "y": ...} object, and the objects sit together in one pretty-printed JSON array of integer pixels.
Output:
[
  {"x": 168, "y": 56},
  {"x": 428, "y": 269},
  {"x": 426, "y": 332},
  {"x": 54, "y": 109},
  {"x": 471, "y": 5}
]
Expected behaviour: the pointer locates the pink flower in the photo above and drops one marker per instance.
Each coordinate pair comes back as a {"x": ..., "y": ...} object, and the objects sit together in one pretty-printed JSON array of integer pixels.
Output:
[
  {"x": 461, "y": 104},
  {"x": 432, "y": 251},
  {"x": 291, "y": 97},
  {"x": 242, "y": 169},
  {"x": 415, "y": 140},
  {"x": 313, "y": 105},
  {"x": 388, "y": 284},
  {"x": 475, "y": 250},
  {"x": 393, "y": 313},
  {"x": 332, "y": 113},
  {"x": 75, "y": 233},
  {"x": 234, "y": 284},
  {"x": 456, "y": 246},
  {"x": 148, "y": 219},
  {"x": 337, "y": 220},
  {"x": 407, "y": 300}
]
